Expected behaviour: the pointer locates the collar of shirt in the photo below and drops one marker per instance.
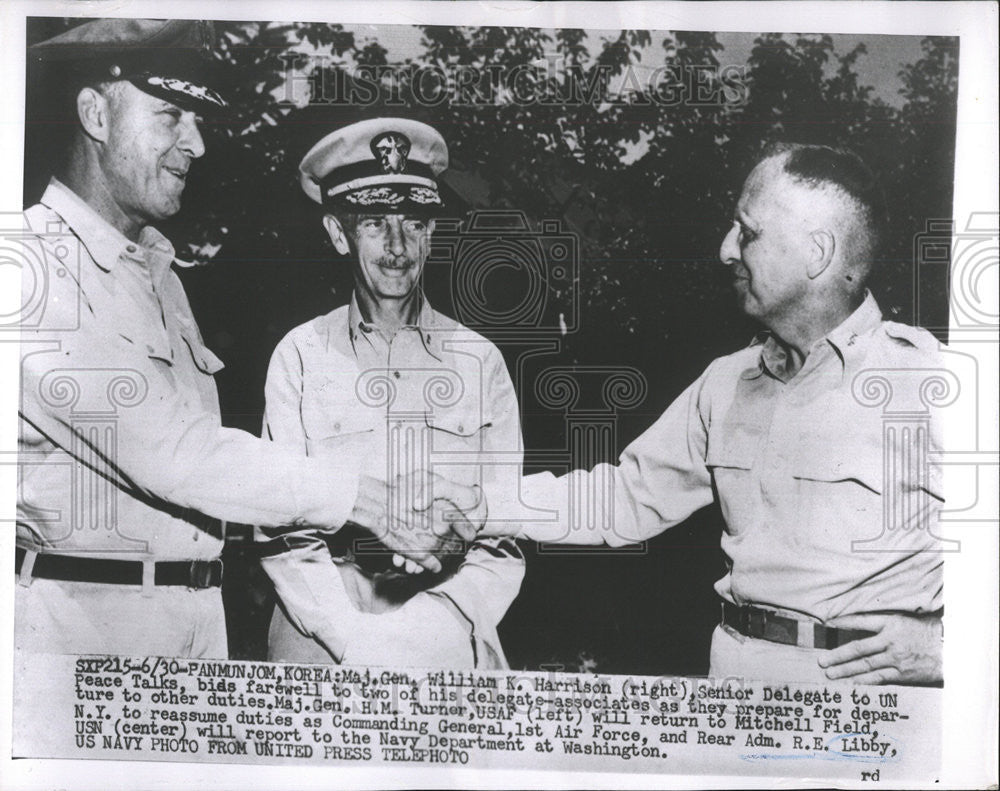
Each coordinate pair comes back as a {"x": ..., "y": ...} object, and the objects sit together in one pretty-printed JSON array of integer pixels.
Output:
[
  {"x": 105, "y": 244},
  {"x": 427, "y": 327},
  {"x": 840, "y": 343}
]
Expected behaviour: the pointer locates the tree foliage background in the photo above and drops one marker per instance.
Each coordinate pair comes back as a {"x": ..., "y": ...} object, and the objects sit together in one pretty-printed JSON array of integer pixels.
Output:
[{"x": 645, "y": 186}]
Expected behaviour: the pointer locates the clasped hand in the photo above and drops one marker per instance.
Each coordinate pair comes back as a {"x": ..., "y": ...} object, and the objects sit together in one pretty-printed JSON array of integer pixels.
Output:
[{"x": 418, "y": 515}]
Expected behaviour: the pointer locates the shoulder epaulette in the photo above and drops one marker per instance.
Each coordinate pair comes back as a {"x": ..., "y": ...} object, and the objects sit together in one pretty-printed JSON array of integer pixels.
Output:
[{"x": 907, "y": 335}]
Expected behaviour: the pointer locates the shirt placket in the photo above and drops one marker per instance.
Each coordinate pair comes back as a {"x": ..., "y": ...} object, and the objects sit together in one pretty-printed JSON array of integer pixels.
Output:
[
  {"x": 150, "y": 322},
  {"x": 165, "y": 343},
  {"x": 408, "y": 437},
  {"x": 785, "y": 430},
  {"x": 773, "y": 464}
]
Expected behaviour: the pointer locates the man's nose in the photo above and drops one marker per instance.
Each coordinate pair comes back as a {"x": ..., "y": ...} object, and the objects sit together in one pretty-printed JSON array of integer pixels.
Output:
[
  {"x": 190, "y": 141},
  {"x": 729, "y": 252},
  {"x": 394, "y": 242}
]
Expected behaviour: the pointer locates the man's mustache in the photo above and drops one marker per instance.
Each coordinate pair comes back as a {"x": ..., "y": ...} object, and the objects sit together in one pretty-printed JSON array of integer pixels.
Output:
[{"x": 390, "y": 262}]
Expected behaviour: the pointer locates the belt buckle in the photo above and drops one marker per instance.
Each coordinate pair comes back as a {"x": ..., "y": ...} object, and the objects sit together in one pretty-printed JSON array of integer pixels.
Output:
[{"x": 200, "y": 574}]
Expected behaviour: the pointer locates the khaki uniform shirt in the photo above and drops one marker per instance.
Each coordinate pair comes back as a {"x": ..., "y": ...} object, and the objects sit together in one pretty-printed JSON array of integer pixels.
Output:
[
  {"x": 436, "y": 396},
  {"x": 121, "y": 448},
  {"x": 829, "y": 502}
]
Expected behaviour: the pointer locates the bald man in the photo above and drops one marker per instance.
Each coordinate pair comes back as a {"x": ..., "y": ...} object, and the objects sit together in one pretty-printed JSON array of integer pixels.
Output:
[{"x": 825, "y": 580}]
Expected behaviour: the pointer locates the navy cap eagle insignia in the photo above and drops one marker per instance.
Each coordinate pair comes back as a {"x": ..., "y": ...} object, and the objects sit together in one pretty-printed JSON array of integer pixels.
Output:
[{"x": 391, "y": 150}]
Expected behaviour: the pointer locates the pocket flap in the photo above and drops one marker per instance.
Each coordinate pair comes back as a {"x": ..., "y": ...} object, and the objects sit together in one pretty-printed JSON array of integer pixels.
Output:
[
  {"x": 864, "y": 465},
  {"x": 204, "y": 359},
  {"x": 457, "y": 424},
  {"x": 331, "y": 424}
]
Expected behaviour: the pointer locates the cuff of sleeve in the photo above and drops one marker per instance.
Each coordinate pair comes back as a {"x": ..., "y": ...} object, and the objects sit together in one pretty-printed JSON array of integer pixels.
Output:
[
  {"x": 504, "y": 509},
  {"x": 534, "y": 510}
]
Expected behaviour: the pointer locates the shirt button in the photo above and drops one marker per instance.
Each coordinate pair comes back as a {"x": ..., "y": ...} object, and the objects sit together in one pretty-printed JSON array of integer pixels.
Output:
[
  {"x": 131, "y": 248},
  {"x": 396, "y": 374},
  {"x": 336, "y": 426},
  {"x": 149, "y": 348},
  {"x": 461, "y": 429}
]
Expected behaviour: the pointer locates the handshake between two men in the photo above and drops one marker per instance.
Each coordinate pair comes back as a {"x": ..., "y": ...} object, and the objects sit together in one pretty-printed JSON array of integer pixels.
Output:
[
  {"x": 420, "y": 516},
  {"x": 761, "y": 431}
]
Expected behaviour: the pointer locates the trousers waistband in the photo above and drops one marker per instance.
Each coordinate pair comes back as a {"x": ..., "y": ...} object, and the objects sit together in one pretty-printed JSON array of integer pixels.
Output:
[
  {"x": 198, "y": 574},
  {"x": 768, "y": 625}
]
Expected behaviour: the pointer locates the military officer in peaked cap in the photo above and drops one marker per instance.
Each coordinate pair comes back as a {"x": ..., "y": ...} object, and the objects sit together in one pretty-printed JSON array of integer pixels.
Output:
[
  {"x": 165, "y": 58},
  {"x": 390, "y": 383},
  {"x": 127, "y": 475},
  {"x": 381, "y": 165}
]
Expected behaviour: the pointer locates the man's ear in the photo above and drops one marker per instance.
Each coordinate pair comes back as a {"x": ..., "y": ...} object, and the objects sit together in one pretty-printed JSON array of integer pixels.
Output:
[
  {"x": 336, "y": 233},
  {"x": 92, "y": 108},
  {"x": 823, "y": 247}
]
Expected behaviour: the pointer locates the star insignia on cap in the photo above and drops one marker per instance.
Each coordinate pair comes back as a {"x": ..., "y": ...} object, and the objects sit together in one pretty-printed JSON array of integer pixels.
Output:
[{"x": 391, "y": 149}]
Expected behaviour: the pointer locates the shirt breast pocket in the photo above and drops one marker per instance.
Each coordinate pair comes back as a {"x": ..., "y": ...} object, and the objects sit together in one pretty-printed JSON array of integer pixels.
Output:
[
  {"x": 153, "y": 344},
  {"x": 835, "y": 494},
  {"x": 850, "y": 463},
  {"x": 457, "y": 445},
  {"x": 869, "y": 493},
  {"x": 731, "y": 452},
  {"x": 329, "y": 430}
]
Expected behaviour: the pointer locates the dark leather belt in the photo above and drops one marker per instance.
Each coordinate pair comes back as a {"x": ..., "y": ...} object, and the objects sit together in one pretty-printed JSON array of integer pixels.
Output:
[
  {"x": 74, "y": 568},
  {"x": 768, "y": 625}
]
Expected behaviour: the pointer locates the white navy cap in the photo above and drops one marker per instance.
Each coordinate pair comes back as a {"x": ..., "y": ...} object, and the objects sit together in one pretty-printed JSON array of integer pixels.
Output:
[{"x": 378, "y": 166}]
